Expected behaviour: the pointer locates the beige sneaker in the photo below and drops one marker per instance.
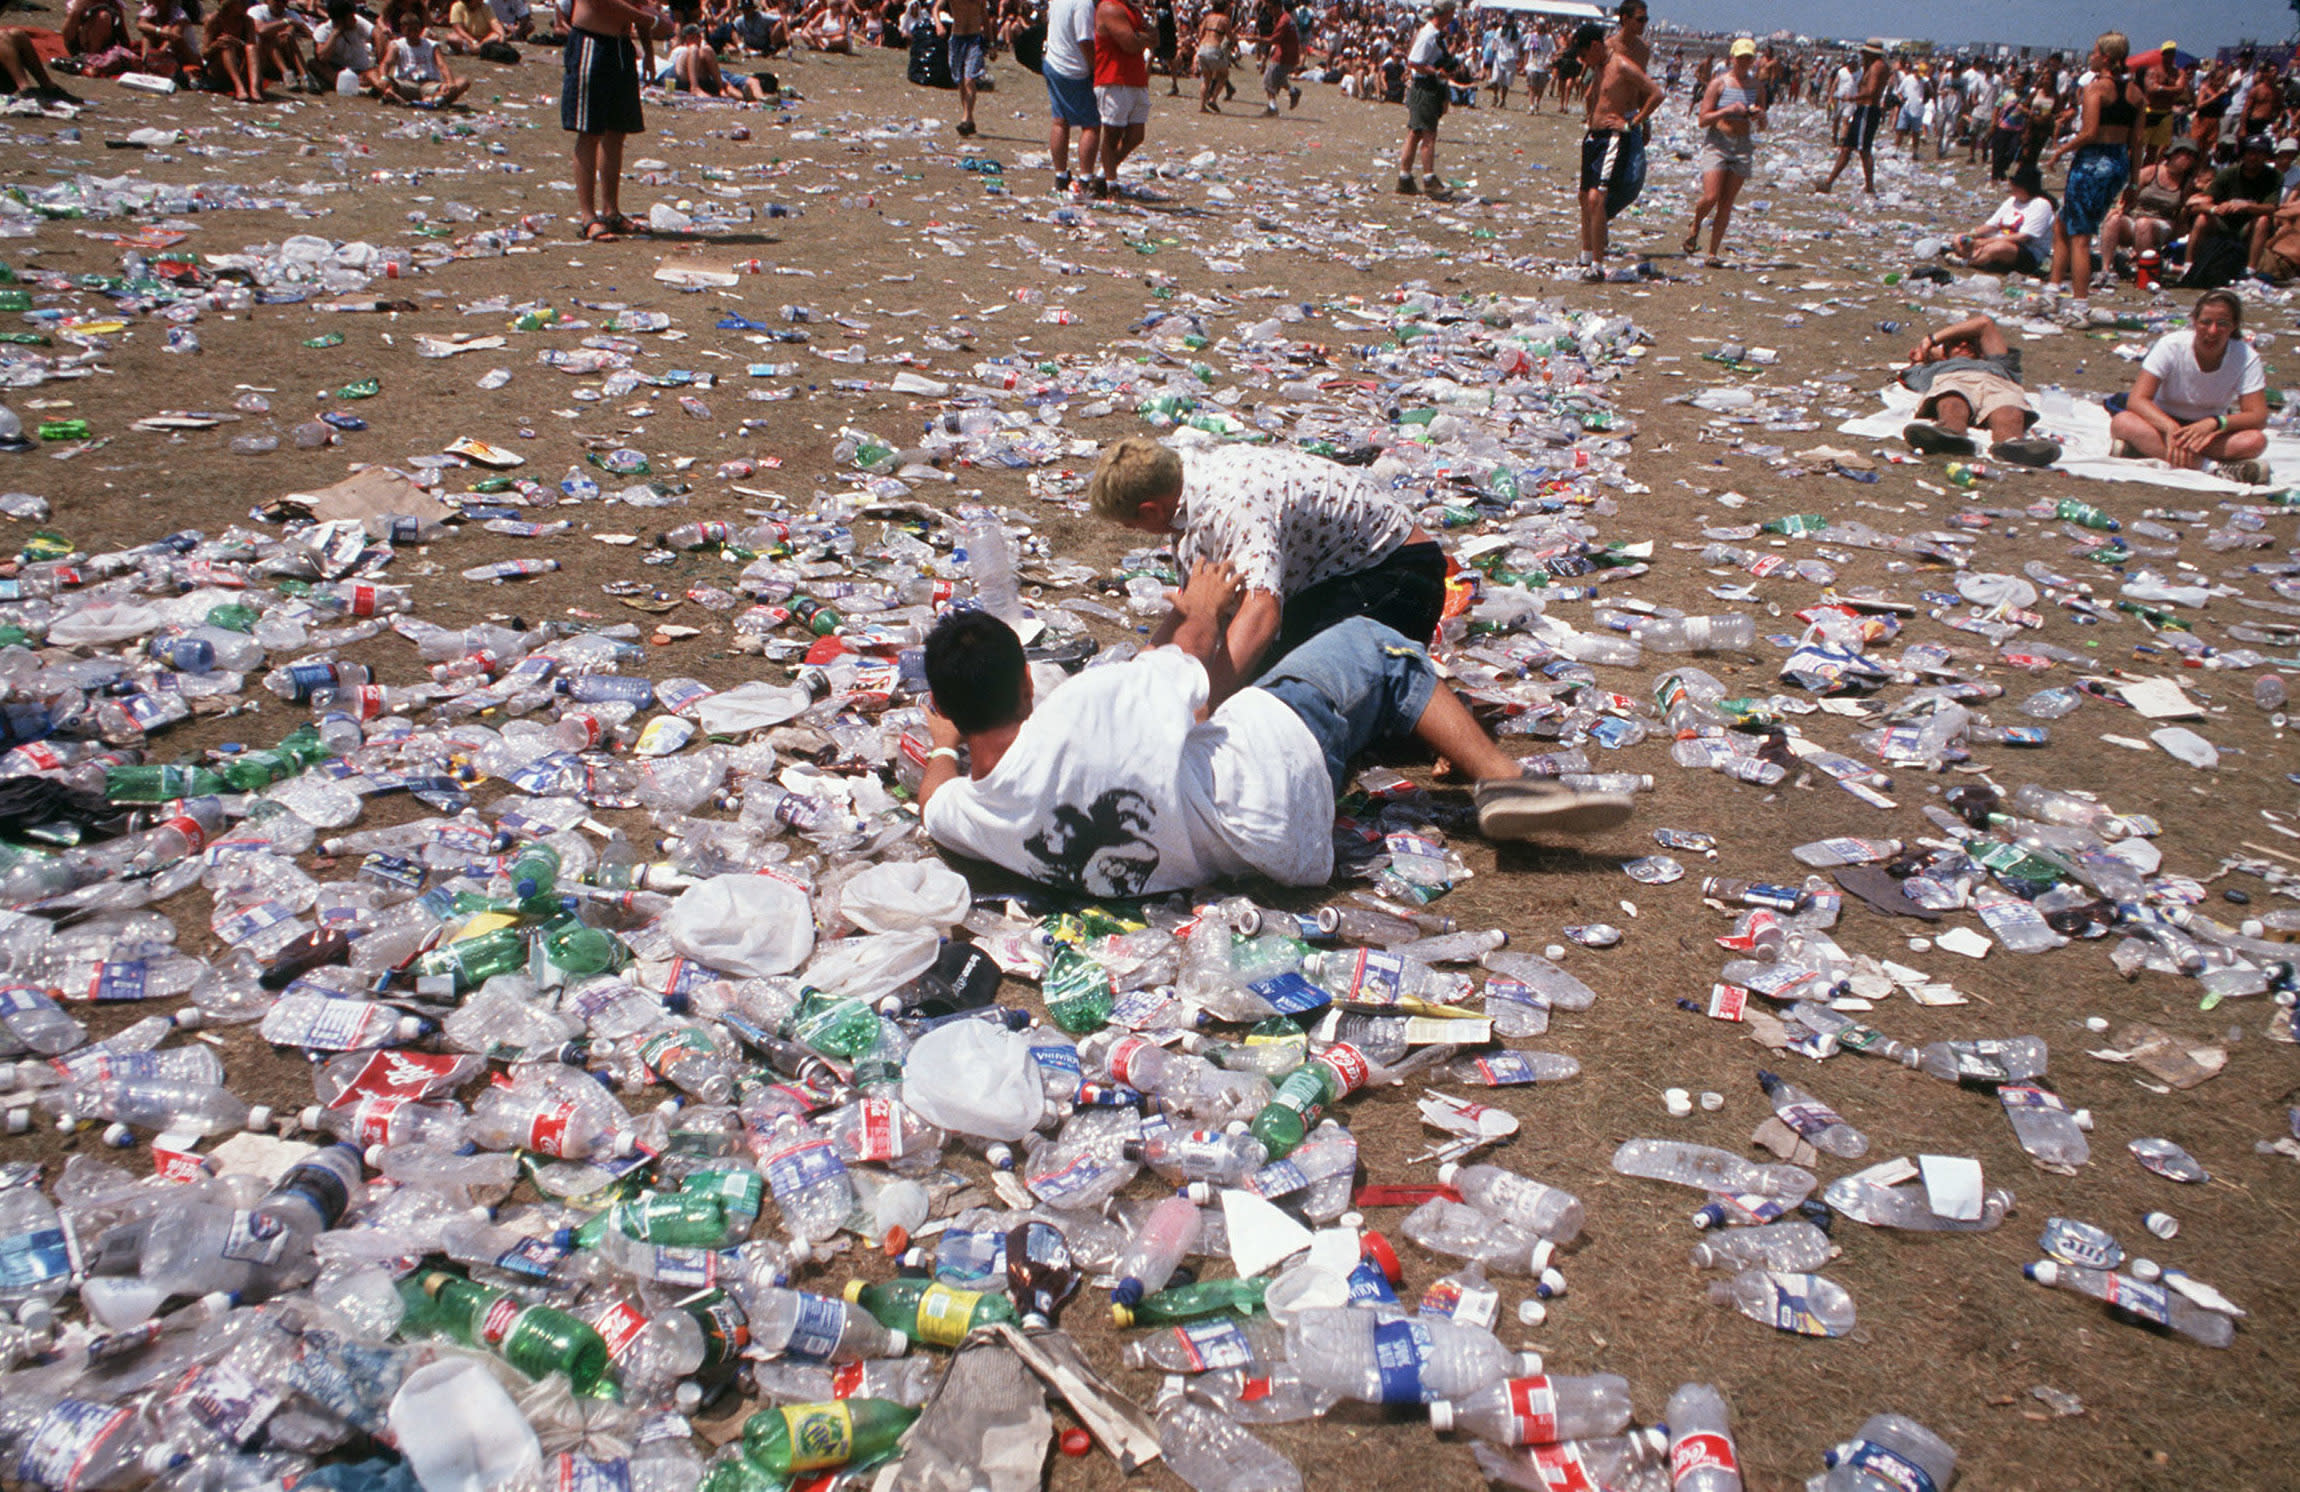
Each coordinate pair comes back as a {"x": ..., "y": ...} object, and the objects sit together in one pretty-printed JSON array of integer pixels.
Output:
[{"x": 1529, "y": 807}]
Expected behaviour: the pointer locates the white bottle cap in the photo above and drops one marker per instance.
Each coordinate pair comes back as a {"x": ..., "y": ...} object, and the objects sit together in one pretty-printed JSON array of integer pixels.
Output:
[
  {"x": 1351, "y": 1220},
  {"x": 901, "y": 1344},
  {"x": 372, "y": 1157},
  {"x": 1528, "y": 1365},
  {"x": 7, "y": 1076},
  {"x": 1531, "y": 1312},
  {"x": 35, "y": 1315},
  {"x": 1679, "y": 1102},
  {"x": 1441, "y": 1417},
  {"x": 1711, "y": 1102},
  {"x": 1448, "y": 1171},
  {"x": 1235, "y": 1127},
  {"x": 1537, "y": 1261},
  {"x": 2096, "y": 1023},
  {"x": 309, "y": 1118},
  {"x": 1199, "y": 1192},
  {"x": 410, "y": 1027},
  {"x": 2083, "y": 1118},
  {"x": 119, "y": 1136},
  {"x": 158, "y": 1459},
  {"x": 19, "y": 1121},
  {"x": 260, "y": 1116},
  {"x": 2044, "y": 1272},
  {"x": 2162, "y": 1224},
  {"x": 688, "y": 1397},
  {"x": 190, "y": 1018},
  {"x": 1552, "y": 1285}
]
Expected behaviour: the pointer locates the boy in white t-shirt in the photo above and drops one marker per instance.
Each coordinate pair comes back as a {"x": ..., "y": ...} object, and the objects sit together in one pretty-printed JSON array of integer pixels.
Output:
[{"x": 1123, "y": 783}]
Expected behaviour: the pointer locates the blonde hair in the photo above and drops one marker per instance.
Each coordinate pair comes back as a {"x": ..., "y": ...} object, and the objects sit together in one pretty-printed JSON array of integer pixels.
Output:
[
  {"x": 1133, "y": 470},
  {"x": 2114, "y": 47}
]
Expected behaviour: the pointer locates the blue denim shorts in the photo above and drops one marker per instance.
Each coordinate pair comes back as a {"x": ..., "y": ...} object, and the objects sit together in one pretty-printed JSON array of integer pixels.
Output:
[
  {"x": 970, "y": 57},
  {"x": 1353, "y": 685}
]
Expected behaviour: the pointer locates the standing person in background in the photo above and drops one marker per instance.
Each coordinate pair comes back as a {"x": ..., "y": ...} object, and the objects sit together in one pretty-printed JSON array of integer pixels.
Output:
[
  {"x": 1281, "y": 42},
  {"x": 1731, "y": 108},
  {"x": 1122, "y": 39},
  {"x": 1432, "y": 67},
  {"x": 1868, "y": 113},
  {"x": 2213, "y": 96},
  {"x": 599, "y": 106},
  {"x": 1537, "y": 62},
  {"x": 2109, "y": 121},
  {"x": 968, "y": 28},
  {"x": 1214, "y": 37},
  {"x": 1702, "y": 71},
  {"x": 1502, "y": 69},
  {"x": 2166, "y": 83},
  {"x": 1620, "y": 99},
  {"x": 1168, "y": 43},
  {"x": 1068, "y": 67},
  {"x": 1843, "y": 92}
]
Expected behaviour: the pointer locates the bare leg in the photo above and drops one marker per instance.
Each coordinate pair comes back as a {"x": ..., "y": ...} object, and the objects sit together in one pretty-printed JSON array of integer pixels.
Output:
[
  {"x": 611, "y": 175},
  {"x": 1728, "y": 190},
  {"x": 587, "y": 177},
  {"x": 1447, "y": 727}
]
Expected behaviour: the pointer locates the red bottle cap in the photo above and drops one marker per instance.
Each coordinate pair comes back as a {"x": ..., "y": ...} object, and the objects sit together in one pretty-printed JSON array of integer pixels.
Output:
[
  {"x": 1076, "y": 1442},
  {"x": 1377, "y": 1248}
]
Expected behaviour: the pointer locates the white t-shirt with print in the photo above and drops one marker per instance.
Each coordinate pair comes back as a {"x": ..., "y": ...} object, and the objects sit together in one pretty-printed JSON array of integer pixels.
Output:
[
  {"x": 2030, "y": 222},
  {"x": 2187, "y": 392},
  {"x": 1114, "y": 788}
]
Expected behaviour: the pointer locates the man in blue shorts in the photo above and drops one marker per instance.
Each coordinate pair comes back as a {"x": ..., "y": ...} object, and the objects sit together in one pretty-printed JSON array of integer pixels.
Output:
[
  {"x": 1867, "y": 116},
  {"x": 1621, "y": 99},
  {"x": 1068, "y": 67},
  {"x": 969, "y": 31}
]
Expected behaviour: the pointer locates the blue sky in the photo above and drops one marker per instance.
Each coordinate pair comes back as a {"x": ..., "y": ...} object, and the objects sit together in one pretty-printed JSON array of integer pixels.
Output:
[{"x": 2197, "y": 26}]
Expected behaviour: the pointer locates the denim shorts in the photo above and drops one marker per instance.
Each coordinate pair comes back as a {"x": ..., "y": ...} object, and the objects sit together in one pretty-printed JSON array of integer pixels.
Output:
[
  {"x": 1072, "y": 98},
  {"x": 1353, "y": 685},
  {"x": 969, "y": 57}
]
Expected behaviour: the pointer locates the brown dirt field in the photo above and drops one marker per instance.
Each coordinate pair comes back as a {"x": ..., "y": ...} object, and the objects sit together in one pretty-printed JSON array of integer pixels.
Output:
[{"x": 1949, "y": 1332}]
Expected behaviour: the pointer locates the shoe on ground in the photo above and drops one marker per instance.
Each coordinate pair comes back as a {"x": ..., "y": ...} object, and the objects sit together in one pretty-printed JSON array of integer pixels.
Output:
[
  {"x": 1097, "y": 189},
  {"x": 1406, "y": 185},
  {"x": 965, "y": 128},
  {"x": 1293, "y": 98},
  {"x": 2250, "y": 473},
  {"x": 2027, "y": 450},
  {"x": 1433, "y": 185},
  {"x": 1930, "y": 439},
  {"x": 1061, "y": 183},
  {"x": 1269, "y": 111},
  {"x": 1530, "y": 807}
]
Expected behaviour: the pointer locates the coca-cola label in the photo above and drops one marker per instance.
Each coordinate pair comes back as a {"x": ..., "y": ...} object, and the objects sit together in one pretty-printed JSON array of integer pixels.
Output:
[
  {"x": 1727, "y": 1002},
  {"x": 395, "y": 1074},
  {"x": 1348, "y": 1065},
  {"x": 1702, "y": 1451},
  {"x": 619, "y": 1326},
  {"x": 1562, "y": 1470},
  {"x": 846, "y": 1380},
  {"x": 1533, "y": 1410},
  {"x": 371, "y": 1122},
  {"x": 496, "y": 1323},
  {"x": 878, "y": 1130},
  {"x": 547, "y": 1131},
  {"x": 1123, "y": 1056}
]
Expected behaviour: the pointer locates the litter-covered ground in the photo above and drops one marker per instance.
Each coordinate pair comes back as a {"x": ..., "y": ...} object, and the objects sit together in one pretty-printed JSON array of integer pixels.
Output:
[{"x": 488, "y": 607}]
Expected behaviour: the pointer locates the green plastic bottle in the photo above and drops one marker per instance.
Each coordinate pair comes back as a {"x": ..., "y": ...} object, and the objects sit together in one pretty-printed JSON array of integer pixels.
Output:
[
  {"x": 1077, "y": 991},
  {"x": 253, "y": 771},
  {"x": 149, "y": 784},
  {"x": 816, "y": 1437},
  {"x": 928, "y": 1311},
  {"x": 679, "y": 1219},
  {"x": 1302, "y": 1099},
  {"x": 535, "y": 872},
  {"x": 2085, "y": 515},
  {"x": 833, "y": 1026},
  {"x": 1194, "y": 1302},
  {"x": 580, "y": 950},
  {"x": 538, "y": 1340},
  {"x": 471, "y": 962}
]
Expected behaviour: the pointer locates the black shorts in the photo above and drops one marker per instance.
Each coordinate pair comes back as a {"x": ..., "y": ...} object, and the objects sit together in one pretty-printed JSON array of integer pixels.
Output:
[
  {"x": 1613, "y": 160},
  {"x": 1861, "y": 129},
  {"x": 1403, "y": 590},
  {"x": 600, "y": 94}
]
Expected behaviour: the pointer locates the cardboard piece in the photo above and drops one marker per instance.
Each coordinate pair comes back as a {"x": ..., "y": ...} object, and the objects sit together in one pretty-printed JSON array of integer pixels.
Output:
[
  {"x": 1953, "y": 1186},
  {"x": 370, "y": 493}
]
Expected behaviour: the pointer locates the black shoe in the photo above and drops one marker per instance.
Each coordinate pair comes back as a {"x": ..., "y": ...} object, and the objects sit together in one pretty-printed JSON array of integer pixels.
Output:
[
  {"x": 2027, "y": 450},
  {"x": 1097, "y": 189},
  {"x": 1930, "y": 439},
  {"x": 1406, "y": 186},
  {"x": 1061, "y": 183}
]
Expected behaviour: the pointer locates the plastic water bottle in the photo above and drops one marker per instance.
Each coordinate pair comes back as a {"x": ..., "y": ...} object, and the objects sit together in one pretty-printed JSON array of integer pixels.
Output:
[
  {"x": 1985, "y": 1063},
  {"x": 1376, "y": 1358},
  {"x": 1731, "y": 632},
  {"x": 2148, "y": 1302},
  {"x": 2046, "y": 1129},
  {"x": 32, "y": 1022},
  {"x": 1712, "y": 1170},
  {"x": 1211, "y": 1453},
  {"x": 991, "y": 561},
  {"x": 1814, "y": 1121},
  {"x": 1535, "y": 1206},
  {"x": 1892, "y": 1453},
  {"x": 1808, "y": 1304},
  {"x": 1222, "y": 1157},
  {"x": 1158, "y": 1247},
  {"x": 1463, "y": 1231},
  {"x": 1539, "y": 1410},
  {"x": 817, "y": 1328},
  {"x": 1791, "y": 1244},
  {"x": 1702, "y": 1456},
  {"x": 810, "y": 1182},
  {"x": 1210, "y": 1345},
  {"x": 1906, "y": 1207}
]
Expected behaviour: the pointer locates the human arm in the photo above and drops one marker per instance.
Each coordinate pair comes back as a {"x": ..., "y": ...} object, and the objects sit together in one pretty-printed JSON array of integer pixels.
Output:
[
  {"x": 1251, "y": 631},
  {"x": 2183, "y": 444},
  {"x": 1199, "y": 604},
  {"x": 2088, "y": 123},
  {"x": 1113, "y": 29},
  {"x": 942, "y": 761}
]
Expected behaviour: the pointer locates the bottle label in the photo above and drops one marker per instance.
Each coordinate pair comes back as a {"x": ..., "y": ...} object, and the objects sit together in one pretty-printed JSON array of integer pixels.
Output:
[
  {"x": 254, "y": 1239},
  {"x": 619, "y": 1326},
  {"x": 847, "y": 1380},
  {"x": 802, "y": 1166},
  {"x": 573, "y": 1473},
  {"x": 1978, "y": 1064},
  {"x": 2148, "y": 1302},
  {"x": 944, "y": 1315},
  {"x": 1290, "y": 994},
  {"x": 1791, "y": 1309},
  {"x": 501, "y": 1315},
  {"x": 371, "y": 1121},
  {"x": 1533, "y": 1410},
  {"x": 1702, "y": 1451},
  {"x": 1085, "y": 1173},
  {"x": 1727, "y": 1002},
  {"x": 1504, "y": 1070},
  {"x": 65, "y": 1443},
  {"x": 227, "y": 1401},
  {"x": 547, "y": 1131},
  {"x": 878, "y": 1130},
  {"x": 28, "y": 1260},
  {"x": 1516, "y": 1001},
  {"x": 815, "y": 1334},
  {"x": 535, "y": 1258},
  {"x": 1888, "y": 1466},
  {"x": 1447, "y": 1298},
  {"x": 696, "y": 1267},
  {"x": 23, "y": 999},
  {"x": 1369, "y": 1286},
  {"x": 1561, "y": 1468},
  {"x": 821, "y": 1435},
  {"x": 1123, "y": 1056},
  {"x": 399, "y": 1075},
  {"x": 1374, "y": 977},
  {"x": 1348, "y": 1065},
  {"x": 117, "y": 979},
  {"x": 334, "y": 1026},
  {"x": 1279, "y": 1178},
  {"x": 1808, "y": 1116},
  {"x": 1400, "y": 1349},
  {"x": 104, "y": 1067},
  {"x": 1219, "y": 1343},
  {"x": 2029, "y": 1096}
]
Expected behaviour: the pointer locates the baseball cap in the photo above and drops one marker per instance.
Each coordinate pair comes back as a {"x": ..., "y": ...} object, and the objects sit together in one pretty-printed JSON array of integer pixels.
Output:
[
  {"x": 1744, "y": 47},
  {"x": 2287, "y": 143},
  {"x": 2260, "y": 143},
  {"x": 2177, "y": 146},
  {"x": 2170, "y": 46}
]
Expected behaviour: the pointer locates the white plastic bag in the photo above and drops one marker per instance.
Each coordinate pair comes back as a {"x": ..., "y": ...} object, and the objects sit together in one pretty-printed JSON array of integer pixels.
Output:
[
  {"x": 751, "y": 926},
  {"x": 865, "y": 968},
  {"x": 749, "y": 707},
  {"x": 904, "y": 894},
  {"x": 459, "y": 1430},
  {"x": 973, "y": 1078}
]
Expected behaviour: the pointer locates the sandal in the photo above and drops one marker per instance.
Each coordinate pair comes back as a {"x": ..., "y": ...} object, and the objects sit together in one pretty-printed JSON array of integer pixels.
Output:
[
  {"x": 599, "y": 230},
  {"x": 1692, "y": 244},
  {"x": 620, "y": 225}
]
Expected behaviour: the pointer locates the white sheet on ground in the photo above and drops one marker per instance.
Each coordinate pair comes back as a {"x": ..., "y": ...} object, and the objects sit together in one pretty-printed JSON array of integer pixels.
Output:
[{"x": 2082, "y": 430}]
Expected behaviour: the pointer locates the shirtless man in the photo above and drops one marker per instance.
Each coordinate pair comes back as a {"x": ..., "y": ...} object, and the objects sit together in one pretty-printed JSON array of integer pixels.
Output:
[
  {"x": 599, "y": 105},
  {"x": 1620, "y": 99},
  {"x": 969, "y": 31},
  {"x": 1868, "y": 113},
  {"x": 1630, "y": 40},
  {"x": 2167, "y": 85}
]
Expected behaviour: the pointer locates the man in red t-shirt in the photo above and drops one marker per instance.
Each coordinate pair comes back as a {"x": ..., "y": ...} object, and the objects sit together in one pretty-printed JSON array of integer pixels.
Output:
[
  {"x": 1283, "y": 43},
  {"x": 1122, "y": 39}
]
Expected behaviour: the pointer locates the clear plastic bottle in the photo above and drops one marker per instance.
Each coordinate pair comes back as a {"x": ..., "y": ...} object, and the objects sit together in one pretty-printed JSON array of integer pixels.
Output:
[
  {"x": 1212, "y": 1453},
  {"x": 1612, "y": 1461},
  {"x": 63, "y": 1444},
  {"x": 1378, "y": 1358},
  {"x": 1274, "y": 1394},
  {"x": 1513, "y": 1069},
  {"x": 158, "y": 1104},
  {"x": 2150, "y": 1302},
  {"x": 1711, "y": 1170},
  {"x": 1809, "y": 1304},
  {"x": 1222, "y": 1157},
  {"x": 1906, "y": 1207},
  {"x": 816, "y": 1328},
  {"x": 1892, "y": 1453},
  {"x": 32, "y": 1022},
  {"x": 35, "y": 1261},
  {"x": 1986, "y": 1062},
  {"x": 810, "y": 1182},
  {"x": 2051, "y": 1134},
  {"x": 1560, "y": 989},
  {"x": 1535, "y": 1206},
  {"x": 1215, "y": 1343},
  {"x": 990, "y": 557},
  {"x": 1539, "y": 1410},
  {"x": 1820, "y": 1126},
  {"x": 1464, "y": 1232},
  {"x": 1702, "y": 1456},
  {"x": 1158, "y": 1247},
  {"x": 1730, "y": 632},
  {"x": 1791, "y": 1244}
]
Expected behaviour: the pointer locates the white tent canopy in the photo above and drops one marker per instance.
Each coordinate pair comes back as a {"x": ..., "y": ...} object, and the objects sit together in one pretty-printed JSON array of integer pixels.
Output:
[{"x": 1578, "y": 10}]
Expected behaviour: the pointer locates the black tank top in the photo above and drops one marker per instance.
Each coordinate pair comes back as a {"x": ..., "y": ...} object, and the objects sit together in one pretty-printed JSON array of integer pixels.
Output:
[{"x": 2119, "y": 112}]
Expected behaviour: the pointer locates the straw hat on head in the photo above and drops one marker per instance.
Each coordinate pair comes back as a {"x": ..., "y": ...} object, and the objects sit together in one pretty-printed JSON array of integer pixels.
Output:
[{"x": 1873, "y": 45}]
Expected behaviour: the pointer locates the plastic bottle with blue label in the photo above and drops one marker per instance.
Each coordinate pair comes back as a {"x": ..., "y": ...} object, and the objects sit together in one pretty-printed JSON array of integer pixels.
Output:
[
  {"x": 1892, "y": 1453},
  {"x": 1379, "y": 1357}
]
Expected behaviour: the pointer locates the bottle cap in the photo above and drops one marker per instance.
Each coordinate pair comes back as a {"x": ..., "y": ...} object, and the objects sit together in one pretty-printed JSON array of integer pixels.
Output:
[
  {"x": 1352, "y": 1219},
  {"x": 260, "y": 1116},
  {"x": 1128, "y": 1292},
  {"x": 1235, "y": 1127},
  {"x": 410, "y": 1027},
  {"x": 309, "y": 1118},
  {"x": 1200, "y": 1192},
  {"x": 1678, "y": 1101},
  {"x": 1537, "y": 1259},
  {"x": 2162, "y": 1224},
  {"x": 1531, "y": 1312},
  {"x": 1528, "y": 1365},
  {"x": 1120, "y": 1317},
  {"x": 1448, "y": 1171},
  {"x": 2043, "y": 1271},
  {"x": 1377, "y": 1248},
  {"x": 900, "y": 1344},
  {"x": 190, "y": 1018},
  {"x": 1441, "y": 1417},
  {"x": 1076, "y": 1442},
  {"x": 19, "y": 1121},
  {"x": 2083, "y": 1118},
  {"x": 853, "y": 1292},
  {"x": 119, "y": 1136},
  {"x": 1552, "y": 1285},
  {"x": 35, "y": 1314},
  {"x": 372, "y": 1157},
  {"x": 2147, "y": 1271},
  {"x": 7, "y": 1076}
]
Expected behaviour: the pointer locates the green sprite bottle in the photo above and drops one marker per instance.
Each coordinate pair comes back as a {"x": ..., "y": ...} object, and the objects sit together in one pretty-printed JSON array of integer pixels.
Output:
[
  {"x": 1193, "y": 1302},
  {"x": 817, "y": 1437},
  {"x": 471, "y": 962},
  {"x": 149, "y": 784},
  {"x": 1304, "y": 1096}
]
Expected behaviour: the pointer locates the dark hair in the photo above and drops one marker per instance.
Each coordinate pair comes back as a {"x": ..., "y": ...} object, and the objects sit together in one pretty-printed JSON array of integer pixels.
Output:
[
  {"x": 1583, "y": 35},
  {"x": 2030, "y": 180},
  {"x": 2225, "y": 298},
  {"x": 975, "y": 667}
]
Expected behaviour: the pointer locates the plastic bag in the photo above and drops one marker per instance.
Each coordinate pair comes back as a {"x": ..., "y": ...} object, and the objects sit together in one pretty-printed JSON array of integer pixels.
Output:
[
  {"x": 905, "y": 894},
  {"x": 751, "y": 926}
]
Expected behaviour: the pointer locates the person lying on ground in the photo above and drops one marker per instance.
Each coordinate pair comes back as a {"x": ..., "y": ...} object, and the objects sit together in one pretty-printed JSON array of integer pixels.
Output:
[
  {"x": 2200, "y": 399},
  {"x": 2018, "y": 238},
  {"x": 1128, "y": 780},
  {"x": 1312, "y": 543},
  {"x": 1967, "y": 377}
]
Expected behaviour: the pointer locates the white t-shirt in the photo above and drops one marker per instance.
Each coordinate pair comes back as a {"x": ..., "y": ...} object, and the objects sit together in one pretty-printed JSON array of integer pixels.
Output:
[
  {"x": 358, "y": 46},
  {"x": 1112, "y": 787},
  {"x": 510, "y": 12},
  {"x": 2187, "y": 392},
  {"x": 1427, "y": 49},
  {"x": 2030, "y": 223},
  {"x": 1070, "y": 38},
  {"x": 1848, "y": 84}
]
